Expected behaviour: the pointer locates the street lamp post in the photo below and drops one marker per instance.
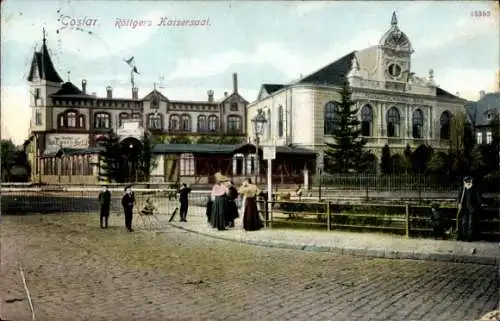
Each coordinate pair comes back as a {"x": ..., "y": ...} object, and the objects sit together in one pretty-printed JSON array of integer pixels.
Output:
[{"x": 259, "y": 122}]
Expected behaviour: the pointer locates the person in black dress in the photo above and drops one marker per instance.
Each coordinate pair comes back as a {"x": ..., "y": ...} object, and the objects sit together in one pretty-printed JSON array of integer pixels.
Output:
[
  {"x": 184, "y": 200},
  {"x": 469, "y": 206},
  {"x": 105, "y": 202},
  {"x": 128, "y": 201},
  {"x": 219, "y": 203},
  {"x": 251, "y": 217},
  {"x": 232, "y": 208}
]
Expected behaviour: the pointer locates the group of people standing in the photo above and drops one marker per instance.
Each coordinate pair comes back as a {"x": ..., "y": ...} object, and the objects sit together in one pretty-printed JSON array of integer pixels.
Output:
[
  {"x": 128, "y": 201},
  {"x": 222, "y": 207}
]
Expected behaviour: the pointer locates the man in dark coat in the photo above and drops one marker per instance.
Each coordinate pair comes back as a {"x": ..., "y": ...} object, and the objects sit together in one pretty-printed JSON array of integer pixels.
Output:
[
  {"x": 184, "y": 200},
  {"x": 128, "y": 201},
  {"x": 105, "y": 202},
  {"x": 469, "y": 205}
]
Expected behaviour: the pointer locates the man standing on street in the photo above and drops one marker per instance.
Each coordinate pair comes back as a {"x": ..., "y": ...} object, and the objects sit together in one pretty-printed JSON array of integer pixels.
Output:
[
  {"x": 104, "y": 201},
  {"x": 469, "y": 205},
  {"x": 184, "y": 200},
  {"x": 128, "y": 201}
]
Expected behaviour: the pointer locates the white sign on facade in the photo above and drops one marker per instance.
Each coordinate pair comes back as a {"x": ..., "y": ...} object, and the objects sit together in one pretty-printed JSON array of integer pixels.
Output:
[
  {"x": 130, "y": 129},
  {"x": 55, "y": 141},
  {"x": 269, "y": 152}
]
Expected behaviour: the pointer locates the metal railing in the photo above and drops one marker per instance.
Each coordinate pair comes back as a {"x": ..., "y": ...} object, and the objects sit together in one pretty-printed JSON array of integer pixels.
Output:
[{"x": 406, "y": 218}]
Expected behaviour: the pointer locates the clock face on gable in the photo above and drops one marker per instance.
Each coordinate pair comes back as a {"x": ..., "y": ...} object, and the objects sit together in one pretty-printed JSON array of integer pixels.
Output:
[{"x": 394, "y": 70}]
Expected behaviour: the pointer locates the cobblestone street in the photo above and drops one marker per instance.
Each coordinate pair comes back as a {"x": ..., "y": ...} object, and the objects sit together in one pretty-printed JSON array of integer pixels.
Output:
[{"x": 77, "y": 271}]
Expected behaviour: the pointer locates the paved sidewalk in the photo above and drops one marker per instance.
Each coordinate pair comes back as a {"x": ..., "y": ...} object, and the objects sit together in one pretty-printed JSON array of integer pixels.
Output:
[{"x": 349, "y": 243}]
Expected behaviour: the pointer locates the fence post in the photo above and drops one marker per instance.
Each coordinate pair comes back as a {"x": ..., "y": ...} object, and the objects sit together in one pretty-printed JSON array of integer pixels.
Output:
[
  {"x": 328, "y": 215},
  {"x": 266, "y": 206},
  {"x": 407, "y": 220}
]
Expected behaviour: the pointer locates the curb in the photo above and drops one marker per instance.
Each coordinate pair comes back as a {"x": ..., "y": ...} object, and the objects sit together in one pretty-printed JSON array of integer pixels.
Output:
[{"x": 380, "y": 254}]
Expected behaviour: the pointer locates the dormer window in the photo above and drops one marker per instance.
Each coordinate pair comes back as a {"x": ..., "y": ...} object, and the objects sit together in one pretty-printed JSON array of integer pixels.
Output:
[
  {"x": 488, "y": 116},
  {"x": 394, "y": 70},
  {"x": 154, "y": 102},
  {"x": 234, "y": 106}
]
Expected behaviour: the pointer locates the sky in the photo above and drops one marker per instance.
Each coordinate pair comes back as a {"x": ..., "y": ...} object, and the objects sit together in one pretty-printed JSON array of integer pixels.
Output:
[{"x": 262, "y": 41}]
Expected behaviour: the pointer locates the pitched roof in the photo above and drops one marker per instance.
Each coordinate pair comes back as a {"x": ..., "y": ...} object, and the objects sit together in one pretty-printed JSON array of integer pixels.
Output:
[
  {"x": 443, "y": 93},
  {"x": 332, "y": 74},
  {"x": 488, "y": 104},
  {"x": 68, "y": 89},
  {"x": 271, "y": 88},
  {"x": 43, "y": 66},
  {"x": 157, "y": 93}
]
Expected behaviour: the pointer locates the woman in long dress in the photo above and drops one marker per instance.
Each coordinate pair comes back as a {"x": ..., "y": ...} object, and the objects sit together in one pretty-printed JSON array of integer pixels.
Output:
[
  {"x": 251, "y": 218},
  {"x": 219, "y": 205}
]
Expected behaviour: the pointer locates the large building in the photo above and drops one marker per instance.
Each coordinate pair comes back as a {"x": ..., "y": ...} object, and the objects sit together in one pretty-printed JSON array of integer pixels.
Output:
[
  {"x": 67, "y": 117},
  {"x": 396, "y": 107},
  {"x": 484, "y": 115}
]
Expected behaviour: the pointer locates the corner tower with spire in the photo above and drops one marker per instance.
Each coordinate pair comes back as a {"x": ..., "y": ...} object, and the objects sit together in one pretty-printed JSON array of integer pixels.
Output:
[{"x": 43, "y": 81}]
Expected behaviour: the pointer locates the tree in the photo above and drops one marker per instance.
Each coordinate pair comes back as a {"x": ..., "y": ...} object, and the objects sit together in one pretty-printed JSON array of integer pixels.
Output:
[
  {"x": 178, "y": 140},
  {"x": 111, "y": 160},
  {"x": 146, "y": 160},
  {"x": 7, "y": 150},
  {"x": 461, "y": 144},
  {"x": 386, "y": 161},
  {"x": 420, "y": 158},
  {"x": 347, "y": 153}
]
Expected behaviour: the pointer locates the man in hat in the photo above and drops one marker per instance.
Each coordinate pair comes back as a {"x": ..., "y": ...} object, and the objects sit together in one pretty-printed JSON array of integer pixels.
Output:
[
  {"x": 128, "y": 201},
  {"x": 105, "y": 202},
  {"x": 469, "y": 204},
  {"x": 184, "y": 200}
]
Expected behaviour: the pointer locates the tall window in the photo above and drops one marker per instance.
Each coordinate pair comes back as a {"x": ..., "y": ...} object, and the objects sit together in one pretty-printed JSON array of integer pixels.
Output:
[
  {"x": 269, "y": 124},
  {"x": 71, "y": 119},
  {"x": 366, "y": 120},
  {"x": 102, "y": 120},
  {"x": 122, "y": 117},
  {"x": 173, "y": 123},
  {"x": 280, "y": 121},
  {"x": 234, "y": 124},
  {"x": 418, "y": 124},
  {"x": 202, "y": 124},
  {"x": 187, "y": 165},
  {"x": 444, "y": 132},
  {"x": 393, "y": 122},
  {"x": 479, "y": 137},
  {"x": 213, "y": 123},
  {"x": 489, "y": 138},
  {"x": 154, "y": 121},
  {"x": 185, "y": 123},
  {"x": 331, "y": 118},
  {"x": 155, "y": 101},
  {"x": 38, "y": 118}
]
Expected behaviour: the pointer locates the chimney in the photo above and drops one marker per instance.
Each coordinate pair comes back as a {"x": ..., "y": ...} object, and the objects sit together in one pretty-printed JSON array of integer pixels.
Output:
[
  {"x": 109, "y": 92},
  {"x": 210, "y": 96},
  {"x": 225, "y": 94},
  {"x": 235, "y": 83},
  {"x": 135, "y": 93},
  {"x": 94, "y": 94},
  {"x": 481, "y": 94},
  {"x": 84, "y": 86},
  {"x": 457, "y": 94}
]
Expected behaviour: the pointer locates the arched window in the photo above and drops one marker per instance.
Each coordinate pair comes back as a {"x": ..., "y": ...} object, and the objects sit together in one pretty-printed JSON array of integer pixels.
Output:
[
  {"x": 122, "y": 117},
  {"x": 281, "y": 116},
  {"x": 367, "y": 120},
  {"x": 202, "y": 124},
  {"x": 213, "y": 123},
  {"x": 81, "y": 121},
  {"x": 155, "y": 121},
  {"x": 234, "y": 124},
  {"x": 71, "y": 119},
  {"x": 102, "y": 120},
  {"x": 393, "y": 122},
  {"x": 331, "y": 118},
  {"x": 418, "y": 124},
  {"x": 173, "y": 123},
  {"x": 185, "y": 123},
  {"x": 444, "y": 120}
]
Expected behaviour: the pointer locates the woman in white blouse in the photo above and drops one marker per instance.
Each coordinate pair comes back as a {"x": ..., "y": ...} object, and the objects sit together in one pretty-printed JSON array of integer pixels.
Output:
[{"x": 251, "y": 218}]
